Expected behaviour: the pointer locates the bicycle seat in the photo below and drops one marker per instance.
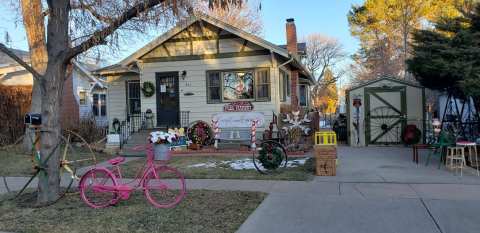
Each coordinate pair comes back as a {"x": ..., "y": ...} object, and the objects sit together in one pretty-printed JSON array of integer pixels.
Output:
[{"x": 116, "y": 160}]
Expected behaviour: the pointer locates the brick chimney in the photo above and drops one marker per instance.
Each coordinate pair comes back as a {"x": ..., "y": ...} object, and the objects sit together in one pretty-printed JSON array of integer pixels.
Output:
[{"x": 293, "y": 50}]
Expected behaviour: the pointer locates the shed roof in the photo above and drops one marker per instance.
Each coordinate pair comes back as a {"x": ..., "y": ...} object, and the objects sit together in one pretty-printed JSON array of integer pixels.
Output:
[{"x": 397, "y": 80}]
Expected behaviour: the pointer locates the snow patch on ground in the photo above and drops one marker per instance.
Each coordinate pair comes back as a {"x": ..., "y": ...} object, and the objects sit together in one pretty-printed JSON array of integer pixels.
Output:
[{"x": 243, "y": 164}]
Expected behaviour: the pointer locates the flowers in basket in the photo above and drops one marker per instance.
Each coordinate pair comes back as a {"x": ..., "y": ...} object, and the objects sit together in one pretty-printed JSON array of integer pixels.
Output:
[{"x": 162, "y": 142}]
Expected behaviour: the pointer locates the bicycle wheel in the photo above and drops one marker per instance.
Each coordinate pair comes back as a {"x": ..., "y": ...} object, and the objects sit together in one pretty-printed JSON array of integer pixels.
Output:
[
  {"x": 270, "y": 157},
  {"x": 164, "y": 187},
  {"x": 96, "y": 188}
]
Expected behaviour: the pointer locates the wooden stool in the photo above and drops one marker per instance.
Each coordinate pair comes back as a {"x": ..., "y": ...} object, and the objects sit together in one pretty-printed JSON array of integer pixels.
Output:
[
  {"x": 471, "y": 147},
  {"x": 456, "y": 158}
]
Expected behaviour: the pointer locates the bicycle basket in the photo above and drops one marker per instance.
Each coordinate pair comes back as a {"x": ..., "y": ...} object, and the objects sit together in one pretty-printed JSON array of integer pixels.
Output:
[{"x": 161, "y": 152}]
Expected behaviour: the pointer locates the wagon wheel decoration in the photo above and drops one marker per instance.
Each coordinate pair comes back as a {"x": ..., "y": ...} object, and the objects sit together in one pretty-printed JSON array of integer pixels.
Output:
[
  {"x": 382, "y": 124},
  {"x": 73, "y": 151},
  {"x": 270, "y": 157}
]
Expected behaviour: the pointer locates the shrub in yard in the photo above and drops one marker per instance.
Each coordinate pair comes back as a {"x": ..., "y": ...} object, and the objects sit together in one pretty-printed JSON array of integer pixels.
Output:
[
  {"x": 88, "y": 130},
  {"x": 14, "y": 103}
]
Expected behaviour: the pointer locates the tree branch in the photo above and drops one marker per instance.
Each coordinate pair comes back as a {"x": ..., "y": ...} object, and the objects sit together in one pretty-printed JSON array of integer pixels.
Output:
[
  {"x": 12, "y": 55},
  {"x": 100, "y": 36}
]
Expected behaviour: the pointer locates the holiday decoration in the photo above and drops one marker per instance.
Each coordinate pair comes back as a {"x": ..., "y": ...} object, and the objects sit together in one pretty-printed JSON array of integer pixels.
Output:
[
  {"x": 294, "y": 129},
  {"x": 271, "y": 158},
  {"x": 148, "y": 89},
  {"x": 411, "y": 135},
  {"x": 240, "y": 106},
  {"x": 296, "y": 122},
  {"x": 200, "y": 133}
]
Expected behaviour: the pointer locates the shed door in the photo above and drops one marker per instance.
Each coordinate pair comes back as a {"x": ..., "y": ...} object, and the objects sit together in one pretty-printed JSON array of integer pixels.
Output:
[
  {"x": 385, "y": 114},
  {"x": 168, "y": 107}
]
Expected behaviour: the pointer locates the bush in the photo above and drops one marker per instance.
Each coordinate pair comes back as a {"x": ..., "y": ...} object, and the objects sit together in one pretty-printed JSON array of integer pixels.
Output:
[
  {"x": 88, "y": 130},
  {"x": 14, "y": 104}
]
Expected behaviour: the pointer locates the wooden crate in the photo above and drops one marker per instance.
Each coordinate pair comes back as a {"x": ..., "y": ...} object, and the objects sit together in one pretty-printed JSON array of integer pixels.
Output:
[
  {"x": 325, "y": 160},
  {"x": 325, "y": 151},
  {"x": 325, "y": 167}
]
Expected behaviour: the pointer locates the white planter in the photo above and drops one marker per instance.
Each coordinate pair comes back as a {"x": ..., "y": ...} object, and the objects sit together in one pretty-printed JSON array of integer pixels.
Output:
[{"x": 113, "y": 139}]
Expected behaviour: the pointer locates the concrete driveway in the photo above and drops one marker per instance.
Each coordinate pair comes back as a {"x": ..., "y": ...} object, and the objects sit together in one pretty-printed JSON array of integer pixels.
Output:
[{"x": 377, "y": 189}]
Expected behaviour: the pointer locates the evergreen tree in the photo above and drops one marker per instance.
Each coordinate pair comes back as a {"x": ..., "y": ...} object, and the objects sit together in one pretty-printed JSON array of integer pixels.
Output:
[{"x": 448, "y": 56}]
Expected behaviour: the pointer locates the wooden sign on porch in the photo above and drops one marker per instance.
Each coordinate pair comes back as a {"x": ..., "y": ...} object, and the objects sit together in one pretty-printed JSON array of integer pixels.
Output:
[{"x": 240, "y": 106}]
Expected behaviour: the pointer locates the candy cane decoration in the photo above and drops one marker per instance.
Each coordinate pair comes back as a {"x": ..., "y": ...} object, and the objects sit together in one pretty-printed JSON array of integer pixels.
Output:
[
  {"x": 216, "y": 131},
  {"x": 253, "y": 133}
]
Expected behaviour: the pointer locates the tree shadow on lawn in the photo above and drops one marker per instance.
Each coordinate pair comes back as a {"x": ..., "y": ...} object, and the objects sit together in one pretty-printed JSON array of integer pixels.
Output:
[{"x": 200, "y": 211}]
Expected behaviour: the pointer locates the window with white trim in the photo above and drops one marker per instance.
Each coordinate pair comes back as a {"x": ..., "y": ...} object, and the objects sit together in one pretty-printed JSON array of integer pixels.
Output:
[
  {"x": 284, "y": 85},
  {"x": 238, "y": 85},
  {"x": 99, "y": 106},
  {"x": 303, "y": 95},
  {"x": 82, "y": 96}
]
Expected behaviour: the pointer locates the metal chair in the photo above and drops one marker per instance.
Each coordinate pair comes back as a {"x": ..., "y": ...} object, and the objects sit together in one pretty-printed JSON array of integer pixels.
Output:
[{"x": 445, "y": 140}]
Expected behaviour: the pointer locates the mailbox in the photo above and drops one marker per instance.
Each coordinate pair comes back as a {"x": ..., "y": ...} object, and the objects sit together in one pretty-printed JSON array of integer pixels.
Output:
[{"x": 33, "y": 119}]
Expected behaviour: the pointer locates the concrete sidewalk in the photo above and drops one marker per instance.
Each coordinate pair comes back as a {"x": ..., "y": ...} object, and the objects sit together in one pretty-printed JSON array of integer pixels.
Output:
[
  {"x": 375, "y": 190},
  {"x": 336, "y": 207}
]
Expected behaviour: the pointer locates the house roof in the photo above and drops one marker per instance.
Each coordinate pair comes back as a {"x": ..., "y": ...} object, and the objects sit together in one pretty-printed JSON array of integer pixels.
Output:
[
  {"x": 5, "y": 60},
  {"x": 397, "y": 80},
  {"x": 85, "y": 70},
  {"x": 301, "y": 47},
  {"x": 182, "y": 25}
]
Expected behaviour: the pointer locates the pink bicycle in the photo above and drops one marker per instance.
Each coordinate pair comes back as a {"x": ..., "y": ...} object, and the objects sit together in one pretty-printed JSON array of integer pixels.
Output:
[{"x": 163, "y": 186}]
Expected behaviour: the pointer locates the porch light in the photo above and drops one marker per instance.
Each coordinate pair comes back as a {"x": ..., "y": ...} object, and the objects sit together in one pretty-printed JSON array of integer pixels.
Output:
[{"x": 183, "y": 74}]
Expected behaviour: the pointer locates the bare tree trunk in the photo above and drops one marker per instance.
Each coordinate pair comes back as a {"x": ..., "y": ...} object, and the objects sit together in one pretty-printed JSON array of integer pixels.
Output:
[
  {"x": 52, "y": 91},
  {"x": 34, "y": 26},
  {"x": 49, "y": 185}
]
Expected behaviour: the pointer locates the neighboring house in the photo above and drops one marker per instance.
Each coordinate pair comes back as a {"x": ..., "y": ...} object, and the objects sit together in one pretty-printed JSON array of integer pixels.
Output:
[
  {"x": 201, "y": 65},
  {"x": 84, "y": 95}
]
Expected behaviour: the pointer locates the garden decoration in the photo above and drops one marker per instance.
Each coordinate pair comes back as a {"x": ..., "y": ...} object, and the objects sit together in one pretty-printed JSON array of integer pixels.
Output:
[
  {"x": 163, "y": 186},
  {"x": 270, "y": 157},
  {"x": 74, "y": 152},
  {"x": 116, "y": 125},
  {"x": 295, "y": 129},
  {"x": 148, "y": 119},
  {"x": 148, "y": 89},
  {"x": 357, "y": 103},
  {"x": 411, "y": 135},
  {"x": 200, "y": 133}
]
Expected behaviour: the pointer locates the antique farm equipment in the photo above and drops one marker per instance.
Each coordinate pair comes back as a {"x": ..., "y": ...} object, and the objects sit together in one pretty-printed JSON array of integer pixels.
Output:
[
  {"x": 73, "y": 150},
  {"x": 270, "y": 156},
  {"x": 163, "y": 186}
]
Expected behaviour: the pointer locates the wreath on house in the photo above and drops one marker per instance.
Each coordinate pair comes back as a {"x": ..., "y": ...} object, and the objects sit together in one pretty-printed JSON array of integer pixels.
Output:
[{"x": 148, "y": 89}]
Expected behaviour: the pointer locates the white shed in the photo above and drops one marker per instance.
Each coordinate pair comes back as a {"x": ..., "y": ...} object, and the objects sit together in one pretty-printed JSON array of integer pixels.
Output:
[{"x": 378, "y": 111}]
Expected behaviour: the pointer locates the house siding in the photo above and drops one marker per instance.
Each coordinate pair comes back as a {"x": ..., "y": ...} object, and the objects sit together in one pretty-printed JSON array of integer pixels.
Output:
[
  {"x": 116, "y": 96},
  {"x": 195, "y": 82}
]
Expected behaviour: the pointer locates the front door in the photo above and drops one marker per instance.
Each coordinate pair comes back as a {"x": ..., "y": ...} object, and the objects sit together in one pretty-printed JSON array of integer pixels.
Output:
[
  {"x": 385, "y": 114},
  {"x": 167, "y": 93}
]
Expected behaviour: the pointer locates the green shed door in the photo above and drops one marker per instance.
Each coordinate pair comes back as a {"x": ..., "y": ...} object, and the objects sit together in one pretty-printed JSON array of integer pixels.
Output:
[{"x": 385, "y": 114}]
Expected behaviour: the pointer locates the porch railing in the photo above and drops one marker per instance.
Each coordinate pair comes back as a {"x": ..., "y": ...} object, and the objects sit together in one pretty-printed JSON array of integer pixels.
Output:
[{"x": 142, "y": 121}]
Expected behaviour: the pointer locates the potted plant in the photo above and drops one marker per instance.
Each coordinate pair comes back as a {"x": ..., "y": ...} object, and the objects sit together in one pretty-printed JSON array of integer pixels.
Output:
[{"x": 161, "y": 144}]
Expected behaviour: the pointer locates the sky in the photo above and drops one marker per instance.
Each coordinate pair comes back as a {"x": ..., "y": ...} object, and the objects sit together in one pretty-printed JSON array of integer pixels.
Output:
[{"x": 327, "y": 17}]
